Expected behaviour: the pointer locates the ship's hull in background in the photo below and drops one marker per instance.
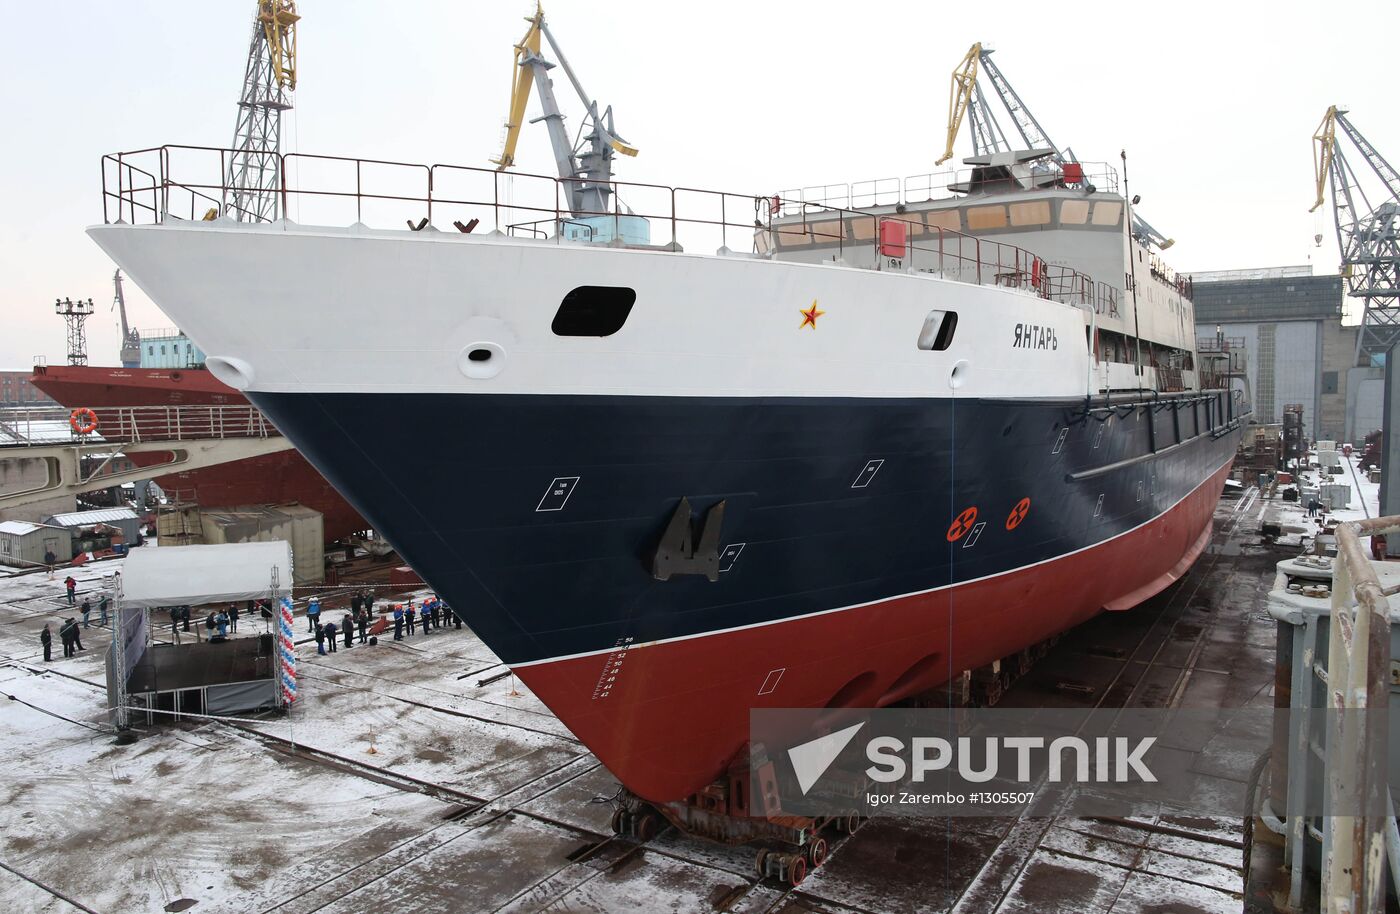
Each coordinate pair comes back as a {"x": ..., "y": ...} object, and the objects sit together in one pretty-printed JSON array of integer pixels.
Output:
[{"x": 270, "y": 479}]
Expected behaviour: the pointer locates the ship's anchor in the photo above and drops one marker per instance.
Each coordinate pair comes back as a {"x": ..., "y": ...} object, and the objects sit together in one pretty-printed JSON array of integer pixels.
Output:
[{"x": 677, "y": 553}]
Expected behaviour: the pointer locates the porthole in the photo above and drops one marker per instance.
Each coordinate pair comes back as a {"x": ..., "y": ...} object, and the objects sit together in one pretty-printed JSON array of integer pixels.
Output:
[{"x": 938, "y": 329}]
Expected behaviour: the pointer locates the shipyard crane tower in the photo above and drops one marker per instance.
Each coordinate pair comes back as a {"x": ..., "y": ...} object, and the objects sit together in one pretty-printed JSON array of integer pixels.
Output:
[
  {"x": 131, "y": 337},
  {"x": 585, "y": 165},
  {"x": 254, "y": 173},
  {"x": 1368, "y": 236}
]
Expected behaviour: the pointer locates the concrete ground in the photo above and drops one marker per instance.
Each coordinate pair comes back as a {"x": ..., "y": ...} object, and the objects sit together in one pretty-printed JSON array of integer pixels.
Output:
[{"x": 399, "y": 784}]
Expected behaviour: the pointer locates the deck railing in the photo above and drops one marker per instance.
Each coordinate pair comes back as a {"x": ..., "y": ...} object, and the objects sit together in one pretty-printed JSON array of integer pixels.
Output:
[
  {"x": 50, "y": 425},
  {"x": 934, "y": 185},
  {"x": 170, "y": 183}
]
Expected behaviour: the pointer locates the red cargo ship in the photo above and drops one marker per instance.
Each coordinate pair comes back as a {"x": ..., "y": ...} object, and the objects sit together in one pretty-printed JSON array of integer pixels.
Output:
[{"x": 270, "y": 479}]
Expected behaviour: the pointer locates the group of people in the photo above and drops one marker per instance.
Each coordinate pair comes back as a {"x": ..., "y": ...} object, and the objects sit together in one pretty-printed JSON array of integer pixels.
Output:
[
  {"x": 431, "y": 615},
  {"x": 71, "y": 634},
  {"x": 218, "y": 623},
  {"x": 70, "y": 629}
]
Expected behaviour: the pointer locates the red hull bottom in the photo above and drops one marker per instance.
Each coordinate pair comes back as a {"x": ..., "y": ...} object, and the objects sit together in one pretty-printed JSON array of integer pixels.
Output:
[{"x": 678, "y": 712}]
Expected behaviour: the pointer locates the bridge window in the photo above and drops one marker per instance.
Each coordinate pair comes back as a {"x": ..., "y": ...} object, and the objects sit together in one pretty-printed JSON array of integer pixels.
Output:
[
  {"x": 944, "y": 219},
  {"x": 1032, "y": 212},
  {"x": 1107, "y": 212},
  {"x": 1074, "y": 212},
  {"x": 986, "y": 217}
]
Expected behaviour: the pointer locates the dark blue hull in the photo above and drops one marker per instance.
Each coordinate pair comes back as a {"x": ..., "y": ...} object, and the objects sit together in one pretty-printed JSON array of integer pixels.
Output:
[{"x": 539, "y": 517}]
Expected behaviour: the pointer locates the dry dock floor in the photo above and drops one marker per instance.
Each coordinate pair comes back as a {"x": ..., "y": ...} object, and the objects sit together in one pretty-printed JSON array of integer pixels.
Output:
[{"x": 399, "y": 785}]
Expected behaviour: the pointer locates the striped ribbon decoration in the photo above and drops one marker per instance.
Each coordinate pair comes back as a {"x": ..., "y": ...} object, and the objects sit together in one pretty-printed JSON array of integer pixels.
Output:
[{"x": 287, "y": 648}]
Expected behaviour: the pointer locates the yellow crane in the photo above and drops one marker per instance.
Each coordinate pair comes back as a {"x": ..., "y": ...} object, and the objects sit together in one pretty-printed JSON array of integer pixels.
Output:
[
  {"x": 253, "y": 179},
  {"x": 1324, "y": 145},
  {"x": 586, "y": 166},
  {"x": 279, "y": 22},
  {"x": 964, "y": 83}
]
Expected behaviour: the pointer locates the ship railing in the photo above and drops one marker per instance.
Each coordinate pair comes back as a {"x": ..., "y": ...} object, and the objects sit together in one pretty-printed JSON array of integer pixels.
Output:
[
  {"x": 1360, "y": 852},
  {"x": 172, "y": 183},
  {"x": 1220, "y": 343},
  {"x": 933, "y": 186},
  {"x": 927, "y": 248},
  {"x": 50, "y": 425}
]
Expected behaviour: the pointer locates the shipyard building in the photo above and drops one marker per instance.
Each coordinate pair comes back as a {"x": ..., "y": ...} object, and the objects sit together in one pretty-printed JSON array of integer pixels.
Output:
[{"x": 1299, "y": 351}]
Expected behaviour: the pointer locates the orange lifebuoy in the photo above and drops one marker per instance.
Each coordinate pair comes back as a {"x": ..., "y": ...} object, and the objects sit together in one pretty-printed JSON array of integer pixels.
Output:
[{"x": 83, "y": 420}]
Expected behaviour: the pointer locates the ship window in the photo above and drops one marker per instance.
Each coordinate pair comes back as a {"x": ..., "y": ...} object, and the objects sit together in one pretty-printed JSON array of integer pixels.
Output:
[
  {"x": 593, "y": 311},
  {"x": 986, "y": 217},
  {"x": 1032, "y": 212},
  {"x": 1074, "y": 212},
  {"x": 829, "y": 230},
  {"x": 937, "y": 333},
  {"x": 1106, "y": 212},
  {"x": 945, "y": 219},
  {"x": 791, "y": 236}
]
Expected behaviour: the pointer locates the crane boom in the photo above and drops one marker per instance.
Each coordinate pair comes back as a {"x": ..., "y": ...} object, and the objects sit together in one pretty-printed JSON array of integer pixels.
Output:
[
  {"x": 586, "y": 166},
  {"x": 131, "y": 338},
  {"x": 960, "y": 95},
  {"x": 1378, "y": 164},
  {"x": 967, "y": 100},
  {"x": 1324, "y": 148},
  {"x": 254, "y": 175},
  {"x": 520, "y": 86}
]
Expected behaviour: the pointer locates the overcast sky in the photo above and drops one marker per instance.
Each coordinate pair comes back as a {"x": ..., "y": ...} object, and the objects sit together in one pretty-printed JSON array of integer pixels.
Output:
[{"x": 1215, "y": 103}]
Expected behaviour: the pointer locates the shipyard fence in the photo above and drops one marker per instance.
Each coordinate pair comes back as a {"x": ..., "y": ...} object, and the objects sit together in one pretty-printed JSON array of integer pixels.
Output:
[{"x": 173, "y": 183}]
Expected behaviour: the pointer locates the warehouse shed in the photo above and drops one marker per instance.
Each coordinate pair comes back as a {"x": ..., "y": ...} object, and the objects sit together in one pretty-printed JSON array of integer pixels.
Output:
[{"x": 22, "y": 544}]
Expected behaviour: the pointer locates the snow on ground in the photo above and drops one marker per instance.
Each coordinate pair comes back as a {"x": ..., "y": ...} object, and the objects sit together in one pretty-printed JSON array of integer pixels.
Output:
[{"x": 397, "y": 784}]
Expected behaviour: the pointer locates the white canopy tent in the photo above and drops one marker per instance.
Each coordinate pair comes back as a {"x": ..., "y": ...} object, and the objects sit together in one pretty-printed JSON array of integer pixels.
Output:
[{"x": 181, "y": 575}]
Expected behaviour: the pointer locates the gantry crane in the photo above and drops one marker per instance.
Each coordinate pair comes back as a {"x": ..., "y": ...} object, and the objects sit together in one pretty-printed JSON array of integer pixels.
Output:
[
  {"x": 131, "y": 337},
  {"x": 1368, "y": 236},
  {"x": 585, "y": 165},
  {"x": 254, "y": 173}
]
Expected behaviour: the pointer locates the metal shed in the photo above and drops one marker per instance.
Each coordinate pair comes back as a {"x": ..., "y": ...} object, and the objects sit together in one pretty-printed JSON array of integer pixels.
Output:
[
  {"x": 124, "y": 519},
  {"x": 22, "y": 544}
]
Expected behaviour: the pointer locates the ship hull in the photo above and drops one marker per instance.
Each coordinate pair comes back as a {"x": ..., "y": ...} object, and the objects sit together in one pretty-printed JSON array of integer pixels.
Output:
[
  {"x": 269, "y": 479},
  {"x": 838, "y": 587},
  {"x": 892, "y": 512}
]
